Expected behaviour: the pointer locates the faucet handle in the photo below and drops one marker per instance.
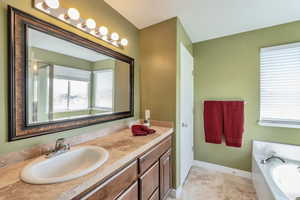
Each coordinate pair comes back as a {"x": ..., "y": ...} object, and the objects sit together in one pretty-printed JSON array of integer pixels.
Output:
[
  {"x": 59, "y": 142},
  {"x": 68, "y": 146}
]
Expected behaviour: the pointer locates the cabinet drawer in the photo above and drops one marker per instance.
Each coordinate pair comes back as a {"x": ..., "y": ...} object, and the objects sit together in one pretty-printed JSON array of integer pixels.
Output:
[
  {"x": 155, "y": 195},
  {"x": 131, "y": 193},
  {"x": 114, "y": 186},
  {"x": 153, "y": 155},
  {"x": 149, "y": 182}
]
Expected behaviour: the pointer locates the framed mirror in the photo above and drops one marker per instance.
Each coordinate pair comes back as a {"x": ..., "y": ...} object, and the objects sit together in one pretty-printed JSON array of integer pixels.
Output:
[{"x": 60, "y": 81}]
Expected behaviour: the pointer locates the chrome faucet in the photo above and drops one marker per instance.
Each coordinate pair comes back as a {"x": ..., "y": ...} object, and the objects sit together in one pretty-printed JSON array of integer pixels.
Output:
[
  {"x": 60, "y": 148},
  {"x": 266, "y": 160}
]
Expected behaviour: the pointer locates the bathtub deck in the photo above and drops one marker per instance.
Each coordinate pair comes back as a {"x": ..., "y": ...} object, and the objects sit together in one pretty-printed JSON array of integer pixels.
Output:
[{"x": 211, "y": 185}]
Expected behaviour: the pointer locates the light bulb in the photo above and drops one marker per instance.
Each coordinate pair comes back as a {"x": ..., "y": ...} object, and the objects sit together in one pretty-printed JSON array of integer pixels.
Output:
[
  {"x": 73, "y": 14},
  {"x": 53, "y": 4},
  {"x": 124, "y": 42},
  {"x": 103, "y": 30},
  {"x": 114, "y": 36},
  {"x": 90, "y": 23}
]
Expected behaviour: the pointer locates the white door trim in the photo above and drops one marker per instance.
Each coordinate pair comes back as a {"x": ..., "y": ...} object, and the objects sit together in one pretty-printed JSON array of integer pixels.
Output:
[{"x": 186, "y": 118}]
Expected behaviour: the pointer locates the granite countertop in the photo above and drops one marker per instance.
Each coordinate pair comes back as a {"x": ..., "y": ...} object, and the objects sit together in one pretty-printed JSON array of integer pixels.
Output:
[{"x": 122, "y": 148}]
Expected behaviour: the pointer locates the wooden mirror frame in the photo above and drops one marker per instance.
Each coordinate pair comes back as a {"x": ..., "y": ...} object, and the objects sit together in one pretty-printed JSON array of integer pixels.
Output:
[{"x": 18, "y": 24}]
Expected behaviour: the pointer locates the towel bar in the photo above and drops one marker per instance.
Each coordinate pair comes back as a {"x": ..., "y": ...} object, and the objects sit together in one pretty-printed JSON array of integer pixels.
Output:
[{"x": 245, "y": 102}]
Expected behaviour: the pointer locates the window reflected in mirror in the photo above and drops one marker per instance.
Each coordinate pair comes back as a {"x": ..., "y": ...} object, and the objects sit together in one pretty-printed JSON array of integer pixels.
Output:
[
  {"x": 66, "y": 81},
  {"x": 103, "y": 90}
]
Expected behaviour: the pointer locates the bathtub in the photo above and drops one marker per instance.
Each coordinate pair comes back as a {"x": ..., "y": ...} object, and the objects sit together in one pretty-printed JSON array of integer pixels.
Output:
[{"x": 276, "y": 180}]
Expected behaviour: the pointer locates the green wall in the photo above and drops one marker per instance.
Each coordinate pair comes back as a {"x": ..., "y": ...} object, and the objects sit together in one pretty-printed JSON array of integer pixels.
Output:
[
  {"x": 104, "y": 15},
  {"x": 158, "y": 70},
  {"x": 104, "y": 64},
  {"x": 160, "y": 63},
  {"x": 158, "y": 73},
  {"x": 228, "y": 67}
]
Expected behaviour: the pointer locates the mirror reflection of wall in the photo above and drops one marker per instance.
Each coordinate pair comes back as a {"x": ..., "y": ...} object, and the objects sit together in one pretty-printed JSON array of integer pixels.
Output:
[{"x": 68, "y": 81}]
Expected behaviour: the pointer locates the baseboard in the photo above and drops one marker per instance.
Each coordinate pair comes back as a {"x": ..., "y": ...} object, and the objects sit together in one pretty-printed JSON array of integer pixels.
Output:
[
  {"x": 222, "y": 169},
  {"x": 176, "y": 193}
]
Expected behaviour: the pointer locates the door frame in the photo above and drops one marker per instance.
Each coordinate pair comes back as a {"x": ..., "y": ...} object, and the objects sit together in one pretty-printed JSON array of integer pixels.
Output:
[{"x": 179, "y": 121}]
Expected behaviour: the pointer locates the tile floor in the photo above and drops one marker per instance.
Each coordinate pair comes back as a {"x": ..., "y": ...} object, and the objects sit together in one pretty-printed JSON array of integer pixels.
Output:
[{"x": 204, "y": 184}]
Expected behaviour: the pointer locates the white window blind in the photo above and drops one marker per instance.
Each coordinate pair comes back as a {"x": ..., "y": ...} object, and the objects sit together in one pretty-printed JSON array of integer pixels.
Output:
[
  {"x": 70, "y": 89},
  {"x": 280, "y": 85},
  {"x": 69, "y": 73},
  {"x": 104, "y": 88}
]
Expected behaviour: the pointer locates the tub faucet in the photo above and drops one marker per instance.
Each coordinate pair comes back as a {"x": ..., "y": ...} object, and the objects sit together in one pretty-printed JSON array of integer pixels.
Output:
[
  {"x": 266, "y": 160},
  {"x": 60, "y": 148}
]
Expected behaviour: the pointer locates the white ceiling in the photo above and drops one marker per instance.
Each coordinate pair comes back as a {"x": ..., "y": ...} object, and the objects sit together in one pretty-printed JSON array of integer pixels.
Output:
[
  {"x": 47, "y": 42},
  {"x": 207, "y": 19}
]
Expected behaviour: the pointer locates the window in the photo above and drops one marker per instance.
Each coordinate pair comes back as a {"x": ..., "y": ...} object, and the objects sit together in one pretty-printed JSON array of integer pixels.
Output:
[
  {"x": 60, "y": 95},
  {"x": 104, "y": 89},
  {"x": 78, "y": 97},
  {"x": 70, "y": 89},
  {"x": 280, "y": 86}
]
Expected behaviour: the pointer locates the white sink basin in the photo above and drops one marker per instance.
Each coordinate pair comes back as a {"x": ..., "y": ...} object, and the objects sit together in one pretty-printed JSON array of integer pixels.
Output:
[{"x": 77, "y": 162}]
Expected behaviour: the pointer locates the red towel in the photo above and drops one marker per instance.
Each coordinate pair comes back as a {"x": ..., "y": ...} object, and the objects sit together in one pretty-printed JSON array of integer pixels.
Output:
[
  {"x": 233, "y": 122},
  {"x": 213, "y": 121},
  {"x": 141, "y": 130}
]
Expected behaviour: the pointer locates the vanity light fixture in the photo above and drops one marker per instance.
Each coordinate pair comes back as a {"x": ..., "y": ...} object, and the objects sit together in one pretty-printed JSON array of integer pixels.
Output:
[
  {"x": 114, "y": 36},
  {"x": 47, "y": 4},
  {"x": 124, "y": 42},
  {"x": 89, "y": 23},
  {"x": 72, "y": 17},
  {"x": 102, "y": 31},
  {"x": 73, "y": 14}
]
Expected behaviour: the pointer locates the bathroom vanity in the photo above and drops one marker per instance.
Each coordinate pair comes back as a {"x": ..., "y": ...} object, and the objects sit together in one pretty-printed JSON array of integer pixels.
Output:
[
  {"x": 147, "y": 178},
  {"x": 137, "y": 168}
]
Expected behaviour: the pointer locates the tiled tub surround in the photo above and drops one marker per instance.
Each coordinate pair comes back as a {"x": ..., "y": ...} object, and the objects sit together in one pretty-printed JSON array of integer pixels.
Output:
[
  {"x": 122, "y": 148},
  {"x": 266, "y": 187}
]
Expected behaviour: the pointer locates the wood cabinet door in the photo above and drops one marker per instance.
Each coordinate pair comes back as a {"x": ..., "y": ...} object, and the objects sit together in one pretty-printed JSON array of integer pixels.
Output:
[
  {"x": 165, "y": 179},
  {"x": 114, "y": 186},
  {"x": 152, "y": 156},
  {"x": 149, "y": 182},
  {"x": 131, "y": 193}
]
